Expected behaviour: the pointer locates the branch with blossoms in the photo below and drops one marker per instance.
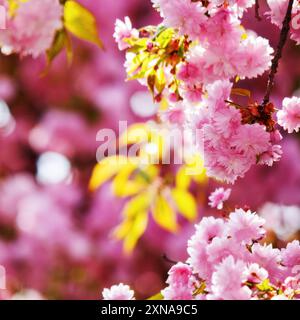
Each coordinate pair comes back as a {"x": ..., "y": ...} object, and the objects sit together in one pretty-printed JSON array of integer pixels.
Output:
[
  {"x": 228, "y": 260},
  {"x": 192, "y": 64},
  {"x": 189, "y": 62}
]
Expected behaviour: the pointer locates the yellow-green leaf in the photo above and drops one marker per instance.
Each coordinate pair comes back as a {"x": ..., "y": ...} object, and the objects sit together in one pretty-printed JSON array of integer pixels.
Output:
[
  {"x": 265, "y": 286},
  {"x": 81, "y": 22},
  {"x": 183, "y": 180},
  {"x": 138, "y": 203},
  {"x": 13, "y": 6},
  {"x": 157, "y": 296},
  {"x": 185, "y": 203},
  {"x": 106, "y": 169},
  {"x": 241, "y": 92},
  {"x": 122, "y": 230},
  {"x": 160, "y": 80},
  {"x": 123, "y": 187},
  {"x": 164, "y": 215},
  {"x": 58, "y": 44},
  {"x": 138, "y": 228}
]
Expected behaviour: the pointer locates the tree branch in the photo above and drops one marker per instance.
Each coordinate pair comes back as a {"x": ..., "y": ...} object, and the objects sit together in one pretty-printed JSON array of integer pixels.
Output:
[
  {"x": 257, "y": 15},
  {"x": 278, "y": 54}
]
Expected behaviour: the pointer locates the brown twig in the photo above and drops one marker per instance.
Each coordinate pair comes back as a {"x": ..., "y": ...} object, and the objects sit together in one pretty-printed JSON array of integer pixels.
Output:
[
  {"x": 278, "y": 54},
  {"x": 257, "y": 15}
]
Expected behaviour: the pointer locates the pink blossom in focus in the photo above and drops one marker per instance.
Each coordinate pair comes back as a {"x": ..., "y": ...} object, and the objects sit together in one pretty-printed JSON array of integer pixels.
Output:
[
  {"x": 124, "y": 30},
  {"x": 289, "y": 116},
  {"x": 118, "y": 292},
  {"x": 245, "y": 226},
  {"x": 229, "y": 288},
  {"x": 217, "y": 198}
]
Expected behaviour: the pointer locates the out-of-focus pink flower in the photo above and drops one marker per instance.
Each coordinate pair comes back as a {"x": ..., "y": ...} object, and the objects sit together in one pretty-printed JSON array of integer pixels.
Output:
[
  {"x": 281, "y": 219},
  {"x": 32, "y": 29},
  {"x": 291, "y": 254}
]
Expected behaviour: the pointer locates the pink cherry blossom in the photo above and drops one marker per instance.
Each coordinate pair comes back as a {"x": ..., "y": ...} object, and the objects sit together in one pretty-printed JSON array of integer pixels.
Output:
[
  {"x": 31, "y": 31},
  {"x": 123, "y": 31},
  {"x": 118, "y": 292},
  {"x": 187, "y": 16},
  {"x": 289, "y": 116},
  {"x": 218, "y": 197},
  {"x": 229, "y": 288},
  {"x": 180, "y": 283},
  {"x": 245, "y": 226},
  {"x": 255, "y": 274}
]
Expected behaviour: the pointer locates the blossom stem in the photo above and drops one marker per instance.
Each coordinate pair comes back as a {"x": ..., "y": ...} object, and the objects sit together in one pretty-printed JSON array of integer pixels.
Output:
[
  {"x": 278, "y": 54},
  {"x": 257, "y": 15}
]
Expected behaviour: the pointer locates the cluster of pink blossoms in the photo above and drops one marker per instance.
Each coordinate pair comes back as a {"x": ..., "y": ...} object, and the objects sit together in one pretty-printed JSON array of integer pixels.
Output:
[
  {"x": 224, "y": 49},
  {"x": 227, "y": 261},
  {"x": 220, "y": 50},
  {"x": 217, "y": 50},
  {"x": 31, "y": 29},
  {"x": 230, "y": 147}
]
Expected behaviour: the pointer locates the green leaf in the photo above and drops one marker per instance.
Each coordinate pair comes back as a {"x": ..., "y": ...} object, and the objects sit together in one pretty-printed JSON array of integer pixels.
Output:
[
  {"x": 265, "y": 286},
  {"x": 137, "y": 204},
  {"x": 164, "y": 215},
  {"x": 160, "y": 80},
  {"x": 157, "y": 296},
  {"x": 58, "y": 44},
  {"x": 185, "y": 203},
  {"x": 165, "y": 37},
  {"x": 81, "y": 22}
]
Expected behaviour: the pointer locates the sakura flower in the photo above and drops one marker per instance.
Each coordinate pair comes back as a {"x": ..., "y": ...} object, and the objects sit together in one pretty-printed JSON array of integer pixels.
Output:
[
  {"x": 278, "y": 10},
  {"x": 230, "y": 288},
  {"x": 198, "y": 258},
  {"x": 187, "y": 16},
  {"x": 255, "y": 274},
  {"x": 31, "y": 30},
  {"x": 218, "y": 197},
  {"x": 124, "y": 30},
  {"x": 268, "y": 258},
  {"x": 291, "y": 254},
  {"x": 118, "y": 292},
  {"x": 208, "y": 229},
  {"x": 228, "y": 121},
  {"x": 257, "y": 57},
  {"x": 180, "y": 282},
  {"x": 273, "y": 154},
  {"x": 245, "y": 226},
  {"x": 289, "y": 116},
  {"x": 251, "y": 139},
  {"x": 179, "y": 274}
]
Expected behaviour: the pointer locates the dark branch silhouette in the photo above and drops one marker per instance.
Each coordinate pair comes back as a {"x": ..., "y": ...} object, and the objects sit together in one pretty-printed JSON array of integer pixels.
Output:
[
  {"x": 257, "y": 15},
  {"x": 278, "y": 54}
]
